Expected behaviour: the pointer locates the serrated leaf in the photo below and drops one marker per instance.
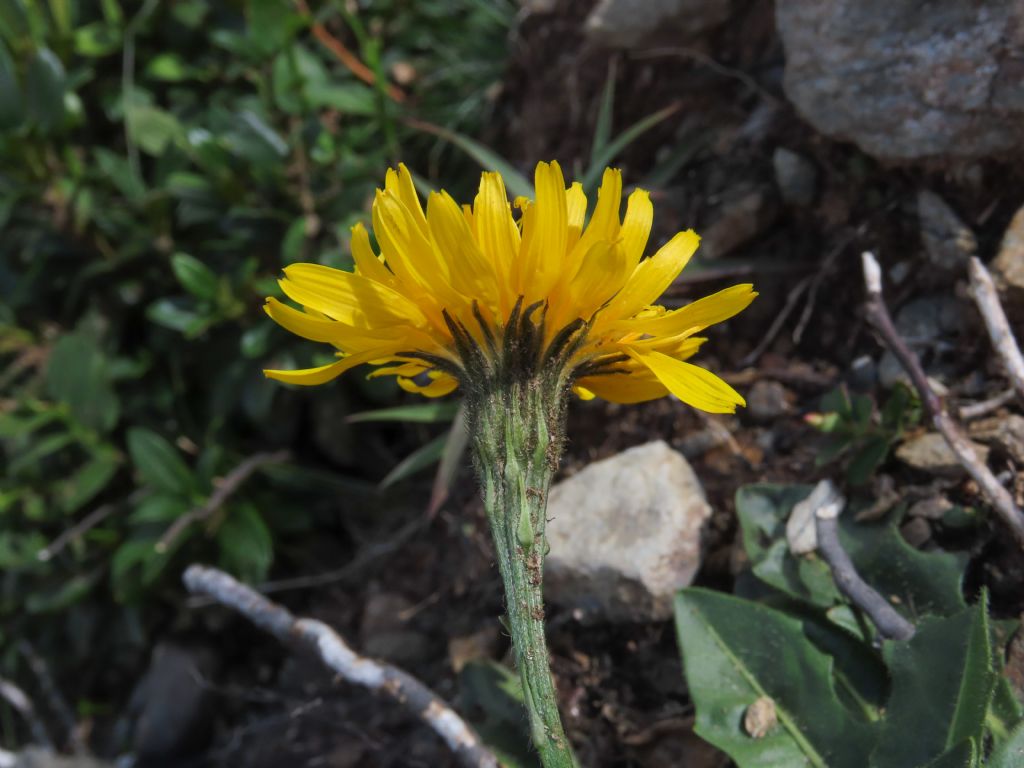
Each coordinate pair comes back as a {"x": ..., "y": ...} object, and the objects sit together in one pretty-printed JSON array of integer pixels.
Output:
[
  {"x": 158, "y": 462},
  {"x": 420, "y": 413},
  {"x": 929, "y": 712},
  {"x": 194, "y": 276},
  {"x": 729, "y": 667}
]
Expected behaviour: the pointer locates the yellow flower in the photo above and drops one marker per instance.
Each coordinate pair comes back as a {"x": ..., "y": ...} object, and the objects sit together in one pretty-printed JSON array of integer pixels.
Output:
[{"x": 456, "y": 288}]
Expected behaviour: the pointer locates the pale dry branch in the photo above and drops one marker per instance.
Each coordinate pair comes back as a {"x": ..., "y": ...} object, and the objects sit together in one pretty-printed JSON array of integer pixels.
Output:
[
  {"x": 985, "y": 296},
  {"x": 878, "y": 314},
  {"x": 23, "y": 705},
  {"x": 318, "y": 639},
  {"x": 985, "y": 407}
]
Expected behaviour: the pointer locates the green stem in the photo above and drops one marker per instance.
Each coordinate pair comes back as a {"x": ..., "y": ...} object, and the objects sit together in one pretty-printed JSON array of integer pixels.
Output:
[{"x": 516, "y": 429}]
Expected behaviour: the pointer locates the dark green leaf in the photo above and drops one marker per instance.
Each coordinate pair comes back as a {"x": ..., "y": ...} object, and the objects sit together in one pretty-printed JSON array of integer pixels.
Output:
[
  {"x": 97, "y": 39},
  {"x": 12, "y": 108},
  {"x": 421, "y": 413},
  {"x": 866, "y": 459},
  {"x": 197, "y": 278},
  {"x": 492, "y": 695},
  {"x": 1010, "y": 754},
  {"x": 88, "y": 481},
  {"x": 78, "y": 374},
  {"x": 45, "y": 83},
  {"x": 159, "y": 463},
  {"x": 729, "y": 667},
  {"x": 416, "y": 461},
  {"x": 942, "y": 683},
  {"x": 159, "y": 508},
  {"x": 246, "y": 546},
  {"x": 153, "y": 129}
]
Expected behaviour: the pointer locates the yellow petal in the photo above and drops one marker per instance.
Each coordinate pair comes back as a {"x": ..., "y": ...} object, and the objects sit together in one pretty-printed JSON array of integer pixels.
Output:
[
  {"x": 698, "y": 314},
  {"x": 652, "y": 276},
  {"x": 604, "y": 224},
  {"x": 471, "y": 273},
  {"x": 545, "y": 230},
  {"x": 601, "y": 275},
  {"x": 691, "y": 384},
  {"x": 636, "y": 226},
  {"x": 400, "y": 183},
  {"x": 496, "y": 232},
  {"x": 440, "y": 384},
  {"x": 324, "y": 373},
  {"x": 575, "y": 212},
  {"x": 347, "y": 297},
  {"x": 624, "y": 387},
  {"x": 368, "y": 264}
]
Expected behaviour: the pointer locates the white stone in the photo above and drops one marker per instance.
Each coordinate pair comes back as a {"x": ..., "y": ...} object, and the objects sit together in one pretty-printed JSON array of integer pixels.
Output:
[{"x": 625, "y": 535}]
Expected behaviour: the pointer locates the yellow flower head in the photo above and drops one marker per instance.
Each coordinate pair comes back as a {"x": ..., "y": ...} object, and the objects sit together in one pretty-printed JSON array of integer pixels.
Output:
[{"x": 457, "y": 292}]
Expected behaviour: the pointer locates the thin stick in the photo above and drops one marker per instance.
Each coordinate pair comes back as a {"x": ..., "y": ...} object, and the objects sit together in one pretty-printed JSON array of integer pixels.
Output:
[
  {"x": 321, "y": 641},
  {"x": 83, "y": 526},
  {"x": 53, "y": 697},
  {"x": 878, "y": 315},
  {"x": 985, "y": 296},
  {"x": 889, "y": 623},
  {"x": 780, "y": 319},
  {"x": 985, "y": 407},
  {"x": 22, "y": 704},
  {"x": 225, "y": 490}
]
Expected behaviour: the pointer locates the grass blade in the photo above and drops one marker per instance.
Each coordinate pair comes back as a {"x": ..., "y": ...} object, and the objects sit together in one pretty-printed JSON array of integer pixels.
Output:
[{"x": 623, "y": 140}]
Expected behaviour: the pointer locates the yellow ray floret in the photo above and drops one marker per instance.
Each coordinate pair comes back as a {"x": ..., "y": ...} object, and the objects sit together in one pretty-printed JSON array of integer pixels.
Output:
[{"x": 451, "y": 276}]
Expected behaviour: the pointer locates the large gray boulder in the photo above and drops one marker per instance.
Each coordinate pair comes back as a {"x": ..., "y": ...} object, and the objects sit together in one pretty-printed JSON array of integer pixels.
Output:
[
  {"x": 905, "y": 79},
  {"x": 625, "y": 534}
]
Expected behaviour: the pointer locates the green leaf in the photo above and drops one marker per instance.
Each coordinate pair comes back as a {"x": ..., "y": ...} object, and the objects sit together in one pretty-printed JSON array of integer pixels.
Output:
[
  {"x": 492, "y": 695},
  {"x": 159, "y": 508},
  {"x": 416, "y": 461},
  {"x": 197, "y": 278},
  {"x": 729, "y": 667},
  {"x": 45, "y": 83},
  {"x": 47, "y": 446},
  {"x": 62, "y": 14},
  {"x": 158, "y": 462},
  {"x": 866, "y": 459},
  {"x": 169, "y": 314},
  {"x": 1009, "y": 754},
  {"x": 603, "y": 124},
  {"x": 963, "y": 755},
  {"x": 153, "y": 129},
  {"x": 517, "y": 184},
  {"x": 272, "y": 23},
  {"x": 88, "y": 481},
  {"x": 136, "y": 565},
  {"x": 12, "y": 111},
  {"x": 347, "y": 98},
  {"x": 97, "y": 39},
  {"x": 942, "y": 683},
  {"x": 169, "y": 68},
  {"x": 14, "y": 24},
  {"x": 422, "y": 413},
  {"x": 246, "y": 546},
  {"x": 609, "y": 152},
  {"x": 69, "y": 592},
  {"x": 78, "y": 374}
]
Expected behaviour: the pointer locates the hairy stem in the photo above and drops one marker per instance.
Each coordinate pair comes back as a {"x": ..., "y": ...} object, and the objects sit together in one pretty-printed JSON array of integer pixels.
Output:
[{"x": 516, "y": 427}]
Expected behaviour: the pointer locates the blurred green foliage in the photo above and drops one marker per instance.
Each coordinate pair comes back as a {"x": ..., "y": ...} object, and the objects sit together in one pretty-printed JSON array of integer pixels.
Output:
[{"x": 159, "y": 163}]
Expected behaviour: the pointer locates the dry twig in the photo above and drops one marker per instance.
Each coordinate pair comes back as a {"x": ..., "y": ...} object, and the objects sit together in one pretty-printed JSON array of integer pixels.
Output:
[
  {"x": 22, "y": 704},
  {"x": 985, "y": 296},
  {"x": 54, "y": 699},
  {"x": 985, "y": 407},
  {"x": 321, "y": 641},
  {"x": 83, "y": 526},
  {"x": 878, "y": 314},
  {"x": 223, "y": 491},
  {"x": 889, "y": 623}
]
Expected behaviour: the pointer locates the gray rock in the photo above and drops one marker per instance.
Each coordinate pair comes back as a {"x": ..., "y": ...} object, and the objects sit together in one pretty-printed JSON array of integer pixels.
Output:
[
  {"x": 795, "y": 176},
  {"x": 767, "y": 400},
  {"x": 916, "y": 532},
  {"x": 1008, "y": 266},
  {"x": 744, "y": 214},
  {"x": 625, "y": 534},
  {"x": 630, "y": 23},
  {"x": 385, "y": 632},
  {"x": 1004, "y": 432},
  {"x": 930, "y": 453},
  {"x": 924, "y": 324},
  {"x": 904, "y": 79},
  {"x": 948, "y": 242}
]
